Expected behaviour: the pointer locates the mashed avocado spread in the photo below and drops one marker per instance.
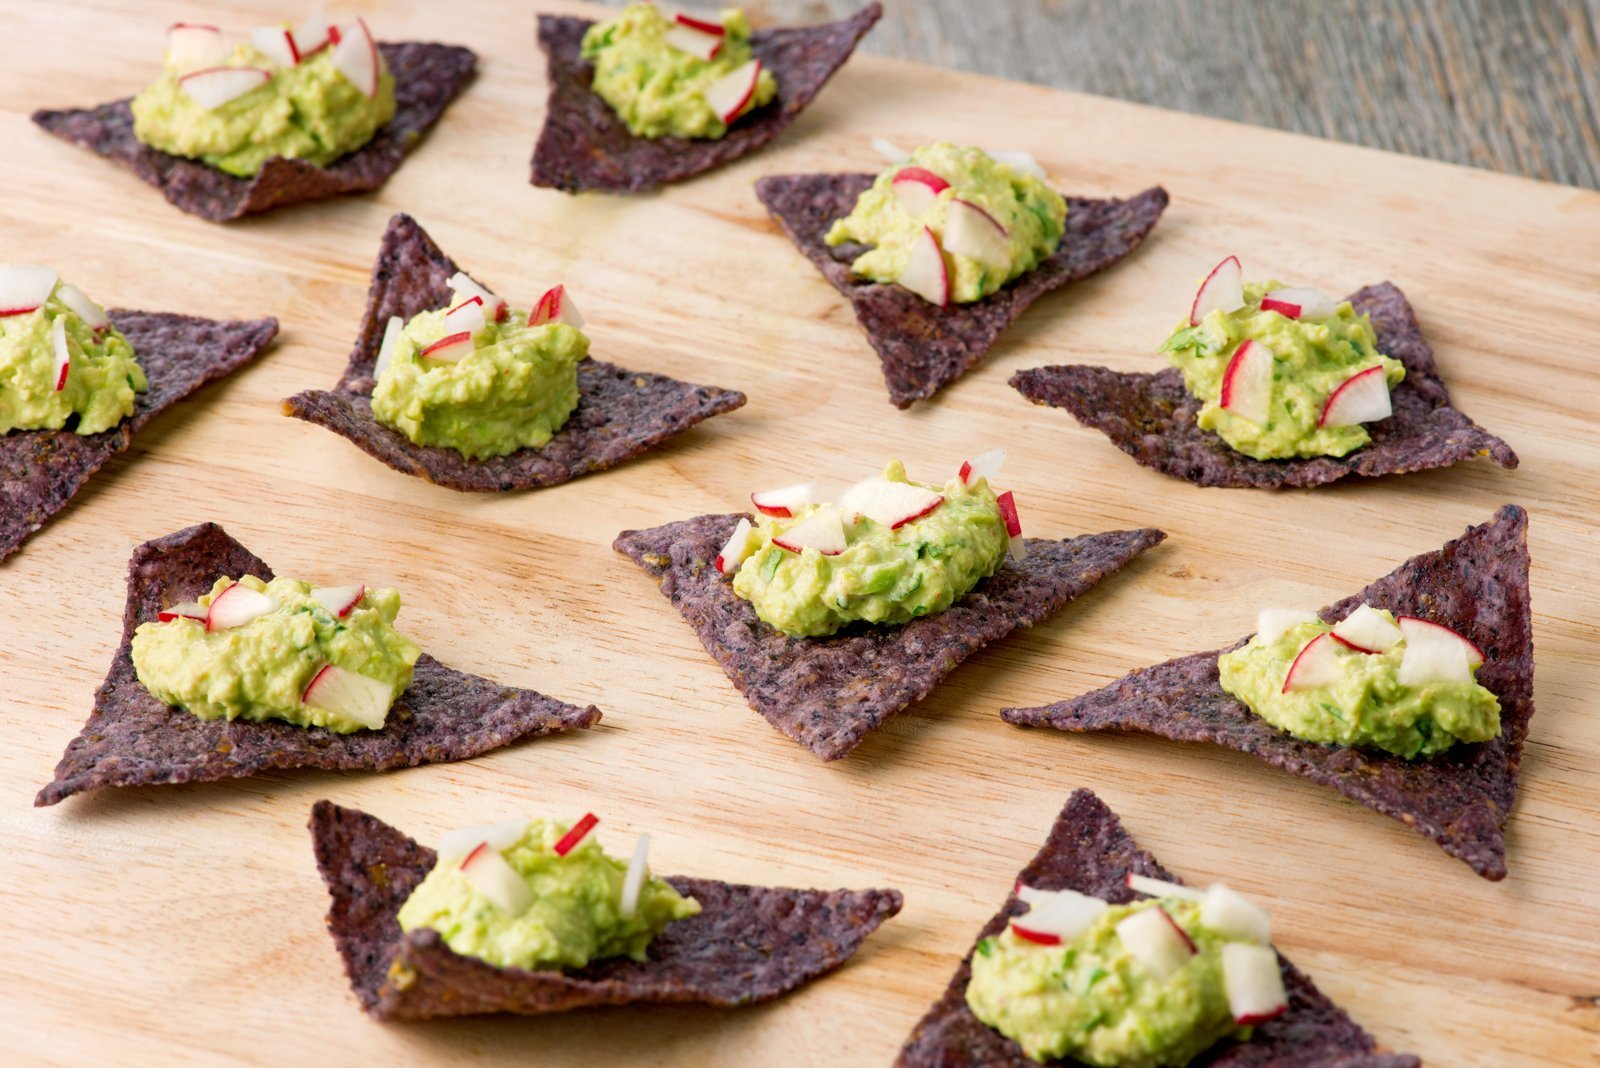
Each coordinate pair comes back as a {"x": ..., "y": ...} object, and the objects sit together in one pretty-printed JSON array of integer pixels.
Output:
[
  {"x": 1310, "y": 359},
  {"x": 890, "y": 216},
  {"x": 308, "y": 111},
  {"x": 101, "y": 375},
  {"x": 1364, "y": 701},
  {"x": 1092, "y": 1000},
  {"x": 261, "y": 669},
  {"x": 658, "y": 89},
  {"x": 884, "y": 573},
  {"x": 567, "y": 912},
  {"x": 512, "y": 389}
]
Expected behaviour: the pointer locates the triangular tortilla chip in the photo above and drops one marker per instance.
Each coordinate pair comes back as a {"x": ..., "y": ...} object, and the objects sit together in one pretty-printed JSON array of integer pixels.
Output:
[
  {"x": 1151, "y": 417},
  {"x": 1088, "y": 851},
  {"x": 829, "y": 693},
  {"x": 748, "y": 944},
  {"x": 924, "y": 348},
  {"x": 1477, "y": 585},
  {"x": 131, "y": 739},
  {"x": 41, "y": 470},
  {"x": 584, "y": 146},
  {"x": 620, "y": 413},
  {"x": 427, "y": 77}
]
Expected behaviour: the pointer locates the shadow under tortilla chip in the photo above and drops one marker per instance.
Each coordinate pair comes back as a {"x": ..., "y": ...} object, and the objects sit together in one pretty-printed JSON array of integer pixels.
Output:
[
  {"x": 41, "y": 470},
  {"x": 924, "y": 347},
  {"x": 585, "y": 146},
  {"x": 132, "y": 739},
  {"x": 748, "y": 944},
  {"x": 620, "y": 413},
  {"x": 1478, "y": 586},
  {"x": 829, "y": 693},
  {"x": 1088, "y": 851},
  {"x": 427, "y": 77},
  {"x": 1151, "y": 417}
]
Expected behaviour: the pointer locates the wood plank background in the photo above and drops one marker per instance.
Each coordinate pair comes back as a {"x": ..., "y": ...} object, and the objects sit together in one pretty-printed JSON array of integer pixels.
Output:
[{"x": 185, "y": 925}]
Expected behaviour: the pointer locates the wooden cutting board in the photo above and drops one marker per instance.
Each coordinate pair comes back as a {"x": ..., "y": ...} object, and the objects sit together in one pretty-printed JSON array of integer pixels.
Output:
[{"x": 185, "y": 924}]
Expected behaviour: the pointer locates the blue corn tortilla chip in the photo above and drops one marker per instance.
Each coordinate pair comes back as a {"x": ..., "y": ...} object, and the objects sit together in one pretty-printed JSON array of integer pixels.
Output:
[
  {"x": 924, "y": 348},
  {"x": 829, "y": 693},
  {"x": 620, "y": 413},
  {"x": 1477, "y": 585},
  {"x": 132, "y": 739},
  {"x": 748, "y": 944},
  {"x": 41, "y": 470},
  {"x": 1151, "y": 417},
  {"x": 427, "y": 77},
  {"x": 584, "y": 146},
  {"x": 1088, "y": 851}
]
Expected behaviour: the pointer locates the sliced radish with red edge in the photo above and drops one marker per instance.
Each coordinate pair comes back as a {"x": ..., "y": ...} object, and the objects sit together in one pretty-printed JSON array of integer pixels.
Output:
[
  {"x": 784, "y": 501},
  {"x": 1367, "y": 631},
  {"x": 697, "y": 43},
  {"x": 1156, "y": 941},
  {"x": 1274, "y": 623},
  {"x": 729, "y": 94},
  {"x": 236, "y": 606},
  {"x": 1247, "y": 383},
  {"x": 83, "y": 307},
  {"x": 1253, "y": 981},
  {"x": 452, "y": 348},
  {"x": 497, "y": 880},
  {"x": 985, "y": 466},
  {"x": 277, "y": 44},
  {"x": 1317, "y": 665},
  {"x": 822, "y": 530},
  {"x": 917, "y": 189},
  {"x": 1417, "y": 629},
  {"x": 1144, "y": 884},
  {"x": 633, "y": 882},
  {"x": 194, "y": 46},
  {"x": 61, "y": 352},
  {"x": 1361, "y": 398},
  {"x": 741, "y": 543},
  {"x": 187, "y": 610},
  {"x": 894, "y": 504},
  {"x": 215, "y": 86},
  {"x": 555, "y": 306},
  {"x": 356, "y": 57},
  {"x": 972, "y": 232},
  {"x": 340, "y": 601},
  {"x": 1223, "y": 288},
  {"x": 1230, "y": 913},
  {"x": 24, "y": 287},
  {"x": 926, "y": 274},
  {"x": 350, "y": 694},
  {"x": 580, "y": 830}
]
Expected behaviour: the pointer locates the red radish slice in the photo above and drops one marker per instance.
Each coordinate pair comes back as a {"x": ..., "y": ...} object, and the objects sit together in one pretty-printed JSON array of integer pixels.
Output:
[
  {"x": 334, "y": 36},
  {"x": 889, "y": 150},
  {"x": 1223, "y": 288},
  {"x": 468, "y": 316},
  {"x": 986, "y": 466},
  {"x": 83, "y": 307},
  {"x": 236, "y": 606},
  {"x": 311, "y": 37},
  {"x": 24, "y": 287},
  {"x": 62, "y": 354},
  {"x": 1055, "y": 916},
  {"x": 277, "y": 44},
  {"x": 1300, "y": 303},
  {"x": 1143, "y": 884},
  {"x": 451, "y": 348},
  {"x": 917, "y": 189},
  {"x": 215, "y": 86},
  {"x": 1361, "y": 398},
  {"x": 503, "y": 835},
  {"x": 784, "y": 501},
  {"x": 194, "y": 46},
  {"x": 463, "y": 287},
  {"x": 349, "y": 693},
  {"x": 1021, "y": 162},
  {"x": 1247, "y": 383},
  {"x": 1366, "y": 631},
  {"x": 741, "y": 543},
  {"x": 187, "y": 610},
  {"x": 340, "y": 601},
  {"x": 729, "y": 94},
  {"x": 715, "y": 29},
  {"x": 1416, "y": 629},
  {"x": 1253, "y": 982},
  {"x": 695, "y": 42},
  {"x": 570, "y": 840},
  {"x": 356, "y": 57},
  {"x": 1008, "y": 512},
  {"x": 1229, "y": 912},
  {"x": 894, "y": 504},
  {"x": 556, "y": 307},
  {"x": 822, "y": 530},
  {"x": 497, "y": 880},
  {"x": 391, "y": 341},
  {"x": 1317, "y": 665},
  {"x": 1274, "y": 623},
  {"x": 926, "y": 274},
  {"x": 1434, "y": 660},
  {"x": 633, "y": 882},
  {"x": 1156, "y": 941},
  {"x": 1028, "y": 934},
  {"x": 972, "y": 232}
]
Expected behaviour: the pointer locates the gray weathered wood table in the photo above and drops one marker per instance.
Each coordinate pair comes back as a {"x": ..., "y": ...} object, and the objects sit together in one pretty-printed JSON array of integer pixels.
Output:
[{"x": 1511, "y": 85}]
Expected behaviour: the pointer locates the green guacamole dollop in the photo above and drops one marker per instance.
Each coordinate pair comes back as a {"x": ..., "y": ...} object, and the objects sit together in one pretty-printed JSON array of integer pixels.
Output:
[
  {"x": 1367, "y": 706},
  {"x": 1033, "y": 214},
  {"x": 575, "y": 916},
  {"x": 102, "y": 380},
  {"x": 658, "y": 90},
  {"x": 1090, "y": 1000},
  {"x": 514, "y": 390},
  {"x": 309, "y": 111},
  {"x": 883, "y": 576},
  {"x": 258, "y": 671},
  {"x": 1312, "y": 358}
]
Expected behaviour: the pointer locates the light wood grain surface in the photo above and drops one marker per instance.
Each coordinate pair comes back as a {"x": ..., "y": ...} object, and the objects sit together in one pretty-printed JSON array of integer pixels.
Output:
[{"x": 185, "y": 924}]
